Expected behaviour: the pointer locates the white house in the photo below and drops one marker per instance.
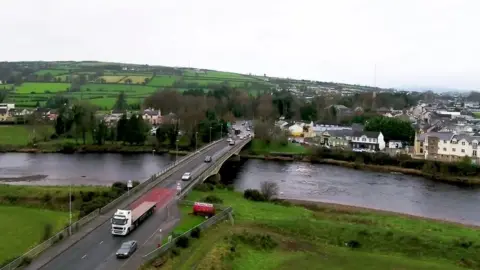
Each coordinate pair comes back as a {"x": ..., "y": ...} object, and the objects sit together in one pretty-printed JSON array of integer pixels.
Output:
[
  {"x": 154, "y": 117},
  {"x": 448, "y": 146},
  {"x": 370, "y": 140}
]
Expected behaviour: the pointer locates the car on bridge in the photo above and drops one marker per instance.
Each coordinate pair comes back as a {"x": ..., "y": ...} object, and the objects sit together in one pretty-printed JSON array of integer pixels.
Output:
[
  {"x": 126, "y": 249},
  {"x": 186, "y": 176},
  {"x": 208, "y": 159}
]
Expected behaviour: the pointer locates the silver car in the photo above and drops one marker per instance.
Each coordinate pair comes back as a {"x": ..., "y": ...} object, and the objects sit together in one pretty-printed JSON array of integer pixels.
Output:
[{"x": 127, "y": 249}]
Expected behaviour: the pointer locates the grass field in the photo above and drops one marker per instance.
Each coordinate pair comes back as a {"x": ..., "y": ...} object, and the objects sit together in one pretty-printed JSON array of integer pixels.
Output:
[
  {"x": 476, "y": 114},
  {"x": 271, "y": 236},
  {"x": 128, "y": 89},
  {"x": 27, "y": 88},
  {"x": 163, "y": 81},
  {"x": 188, "y": 220},
  {"x": 54, "y": 72},
  {"x": 216, "y": 74},
  {"x": 112, "y": 79},
  {"x": 107, "y": 103},
  {"x": 6, "y": 86},
  {"x": 259, "y": 147},
  {"x": 23, "y": 228},
  {"x": 14, "y": 135}
]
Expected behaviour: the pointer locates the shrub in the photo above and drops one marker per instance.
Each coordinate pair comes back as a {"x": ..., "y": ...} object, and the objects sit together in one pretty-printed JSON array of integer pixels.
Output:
[
  {"x": 212, "y": 199},
  {"x": 258, "y": 241},
  {"x": 182, "y": 242},
  {"x": 253, "y": 195},
  {"x": 47, "y": 231},
  {"x": 282, "y": 202},
  {"x": 353, "y": 244},
  {"x": 195, "y": 233},
  {"x": 269, "y": 190},
  {"x": 68, "y": 147},
  {"x": 175, "y": 252}
]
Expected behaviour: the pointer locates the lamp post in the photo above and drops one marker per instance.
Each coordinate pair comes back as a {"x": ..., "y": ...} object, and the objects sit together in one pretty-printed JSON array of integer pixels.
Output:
[
  {"x": 176, "y": 152},
  {"x": 210, "y": 134},
  {"x": 70, "y": 209},
  {"x": 196, "y": 140},
  {"x": 221, "y": 131}
]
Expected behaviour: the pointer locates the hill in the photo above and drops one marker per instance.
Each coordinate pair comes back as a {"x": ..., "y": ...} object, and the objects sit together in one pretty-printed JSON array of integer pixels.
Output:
[{"x": 29, "y": 84}]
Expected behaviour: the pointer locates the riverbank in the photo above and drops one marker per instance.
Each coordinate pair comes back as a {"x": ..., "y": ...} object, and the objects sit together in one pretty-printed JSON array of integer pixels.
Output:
[{"x": 281, "y": 236}]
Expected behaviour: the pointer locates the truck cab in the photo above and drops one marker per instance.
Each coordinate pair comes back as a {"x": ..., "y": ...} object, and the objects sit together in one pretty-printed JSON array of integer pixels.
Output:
[{"x": 121, "y": 222}]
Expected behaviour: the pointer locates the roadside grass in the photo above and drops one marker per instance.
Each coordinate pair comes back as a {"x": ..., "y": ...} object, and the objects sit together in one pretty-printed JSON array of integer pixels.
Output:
[
  {"x": 321, "y": 233},
  {"x": 23, "y": 228},
  {"x": 259, "y": 147},
  {"x": 163, "y": 81},
  {"x": 6, "y": 86},
  {"x": 188, "y": 220},
  {"x": 476, "y": 114},
  {"x": 54, "y": 72},
  {"x": 36, "y": 87},
  {"x": 15, "y": 135}
]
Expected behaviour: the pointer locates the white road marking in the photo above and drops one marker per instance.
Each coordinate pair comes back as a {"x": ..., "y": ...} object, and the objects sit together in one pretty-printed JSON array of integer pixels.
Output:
[
  {"x": 101, "y": 243},
  {"x": 84, "y": 256}
]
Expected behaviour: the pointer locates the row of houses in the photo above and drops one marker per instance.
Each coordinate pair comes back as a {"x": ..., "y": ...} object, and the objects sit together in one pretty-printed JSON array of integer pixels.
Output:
[
  {"x": 346, "y": 137},
  {"x": 446, "y": 146}
]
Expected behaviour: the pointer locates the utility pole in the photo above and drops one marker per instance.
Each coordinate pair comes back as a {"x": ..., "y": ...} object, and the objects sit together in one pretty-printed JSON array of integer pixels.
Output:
[
  {"x": 176, "y": 152},
  {"x": 196, "y": 140},
  {"x": 221, "y": 131}
]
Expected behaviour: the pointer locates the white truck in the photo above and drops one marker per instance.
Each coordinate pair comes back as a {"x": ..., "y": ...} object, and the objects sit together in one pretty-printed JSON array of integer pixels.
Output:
[{"x": 125, "y": 221}]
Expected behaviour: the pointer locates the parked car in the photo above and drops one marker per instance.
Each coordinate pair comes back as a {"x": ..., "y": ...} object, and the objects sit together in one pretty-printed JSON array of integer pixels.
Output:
[
  {"x": 127, "y": 249},
  {"x": 186, "y": 176},
  {"x": 232, "y": 142},
  {"x": 208, "y": 159}
]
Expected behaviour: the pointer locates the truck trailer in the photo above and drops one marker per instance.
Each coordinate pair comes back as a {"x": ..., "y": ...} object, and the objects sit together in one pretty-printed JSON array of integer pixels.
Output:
[{"x": 125, "y": 221}]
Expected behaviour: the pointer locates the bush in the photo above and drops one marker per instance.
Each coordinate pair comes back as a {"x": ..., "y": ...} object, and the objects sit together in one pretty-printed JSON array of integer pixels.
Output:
[
  {"x": 212, "y": 199},
  {"x": 47, "y": 231},
  {"x": 282, "y": 202},
  {"x": 182, "y": 242},
  {"x": 269, "y": 190},
  {"x": 175, "y": 252},
  {"x": 195, "y": 233},
  {"x": 253, "y": 195},
  {"x": 68, "y": 147},
  {"x": 258, "y": 241},
  {"x": 353, "y": 244}
]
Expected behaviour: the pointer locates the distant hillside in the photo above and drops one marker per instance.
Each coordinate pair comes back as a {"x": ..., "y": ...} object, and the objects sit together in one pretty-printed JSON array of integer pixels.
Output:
[{"x": 32, "y": 83}]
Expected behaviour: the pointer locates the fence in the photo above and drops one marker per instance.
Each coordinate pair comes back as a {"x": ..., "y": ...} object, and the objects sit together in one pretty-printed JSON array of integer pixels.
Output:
[
  {"x": 202, "y": 226},
  {"x": 143, "y": 187}
]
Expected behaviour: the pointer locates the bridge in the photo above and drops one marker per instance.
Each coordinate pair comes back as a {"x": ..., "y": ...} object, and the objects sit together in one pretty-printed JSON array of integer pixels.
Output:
[{"x": 93, "y": 246}]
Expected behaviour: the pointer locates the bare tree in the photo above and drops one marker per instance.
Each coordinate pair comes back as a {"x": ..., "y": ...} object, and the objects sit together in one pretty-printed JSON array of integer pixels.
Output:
[
  {"x": 269, "y": 190},
  {"x": 265, "y": 107}
]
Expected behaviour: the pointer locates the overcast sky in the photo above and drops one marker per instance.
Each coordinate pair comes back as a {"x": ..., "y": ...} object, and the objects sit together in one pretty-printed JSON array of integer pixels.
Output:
[{"x": 411, "y": 42}]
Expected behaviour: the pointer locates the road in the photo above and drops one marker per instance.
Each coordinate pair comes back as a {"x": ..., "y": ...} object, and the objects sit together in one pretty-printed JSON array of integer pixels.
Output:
[{"x": 97, "y": 249}]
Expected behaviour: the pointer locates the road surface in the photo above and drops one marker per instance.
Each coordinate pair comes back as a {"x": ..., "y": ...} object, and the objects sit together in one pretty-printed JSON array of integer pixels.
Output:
[{"x": 97, "y": 249}]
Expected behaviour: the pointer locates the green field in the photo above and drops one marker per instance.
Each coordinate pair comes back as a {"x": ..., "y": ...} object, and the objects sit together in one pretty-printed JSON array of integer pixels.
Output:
[
  {"x": 15, "y": 135},
  {"x": 23, "y": 228},
  {"x": 117, "y": 88},
  {"x": 27, "y": 88},
  {"x": 476, "y": 114},
  {"x": 272, "y": 236},
  {"x": 41, "y": 191},
  {"x": 163, "y": 81},
  {"x": 259, "y": 147},
  {"x": 54, "y": 72},
  {"x": 135, "y": 79},
  {"x": 107, "y": 103},
  {"x": 216, "y": 74},
  {"x": 6, "y": 86}
]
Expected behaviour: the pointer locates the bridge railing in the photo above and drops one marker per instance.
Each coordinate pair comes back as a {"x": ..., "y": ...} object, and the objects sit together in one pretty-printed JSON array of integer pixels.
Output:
[
  {"x": 211, "y": 169},
  {"x": 135, "y": 193}
]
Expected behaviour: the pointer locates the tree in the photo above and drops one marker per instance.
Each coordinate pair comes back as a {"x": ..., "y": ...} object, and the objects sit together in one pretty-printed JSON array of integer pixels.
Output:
[
  {"x": 121, "y": 102},
  {"x": 161, "y": 134},
  {"x": 60, "y": 125},
  {"x": 265, "y": 107},
  {"x": 391, "y": 128},
  {"x": 122, "y": 128},
  {"x": 3, "y": 95},
  {"x": 269, "y": 190},
  {"x": 83, "y": 117},
  {"x": 136, "y": 129},
  {"x": 100, "y": 133}
]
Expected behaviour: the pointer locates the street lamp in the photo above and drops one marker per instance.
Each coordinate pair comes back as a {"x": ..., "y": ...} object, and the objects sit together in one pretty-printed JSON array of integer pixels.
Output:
[
  {"x": 196, "y": 140},
  {"x": 221, "y": 130},
  {"x": 210, "y": 134},
  {"x": 70, "y": 207},
  {"x": 176, "y": 152}
]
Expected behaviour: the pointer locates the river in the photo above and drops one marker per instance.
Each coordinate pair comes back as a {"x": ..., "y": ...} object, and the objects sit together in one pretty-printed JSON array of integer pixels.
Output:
[{"x": 296, "y": 180}]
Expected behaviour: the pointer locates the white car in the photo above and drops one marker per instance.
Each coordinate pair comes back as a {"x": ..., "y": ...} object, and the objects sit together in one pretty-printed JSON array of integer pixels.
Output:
[{"x": 186, "y": 176}]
